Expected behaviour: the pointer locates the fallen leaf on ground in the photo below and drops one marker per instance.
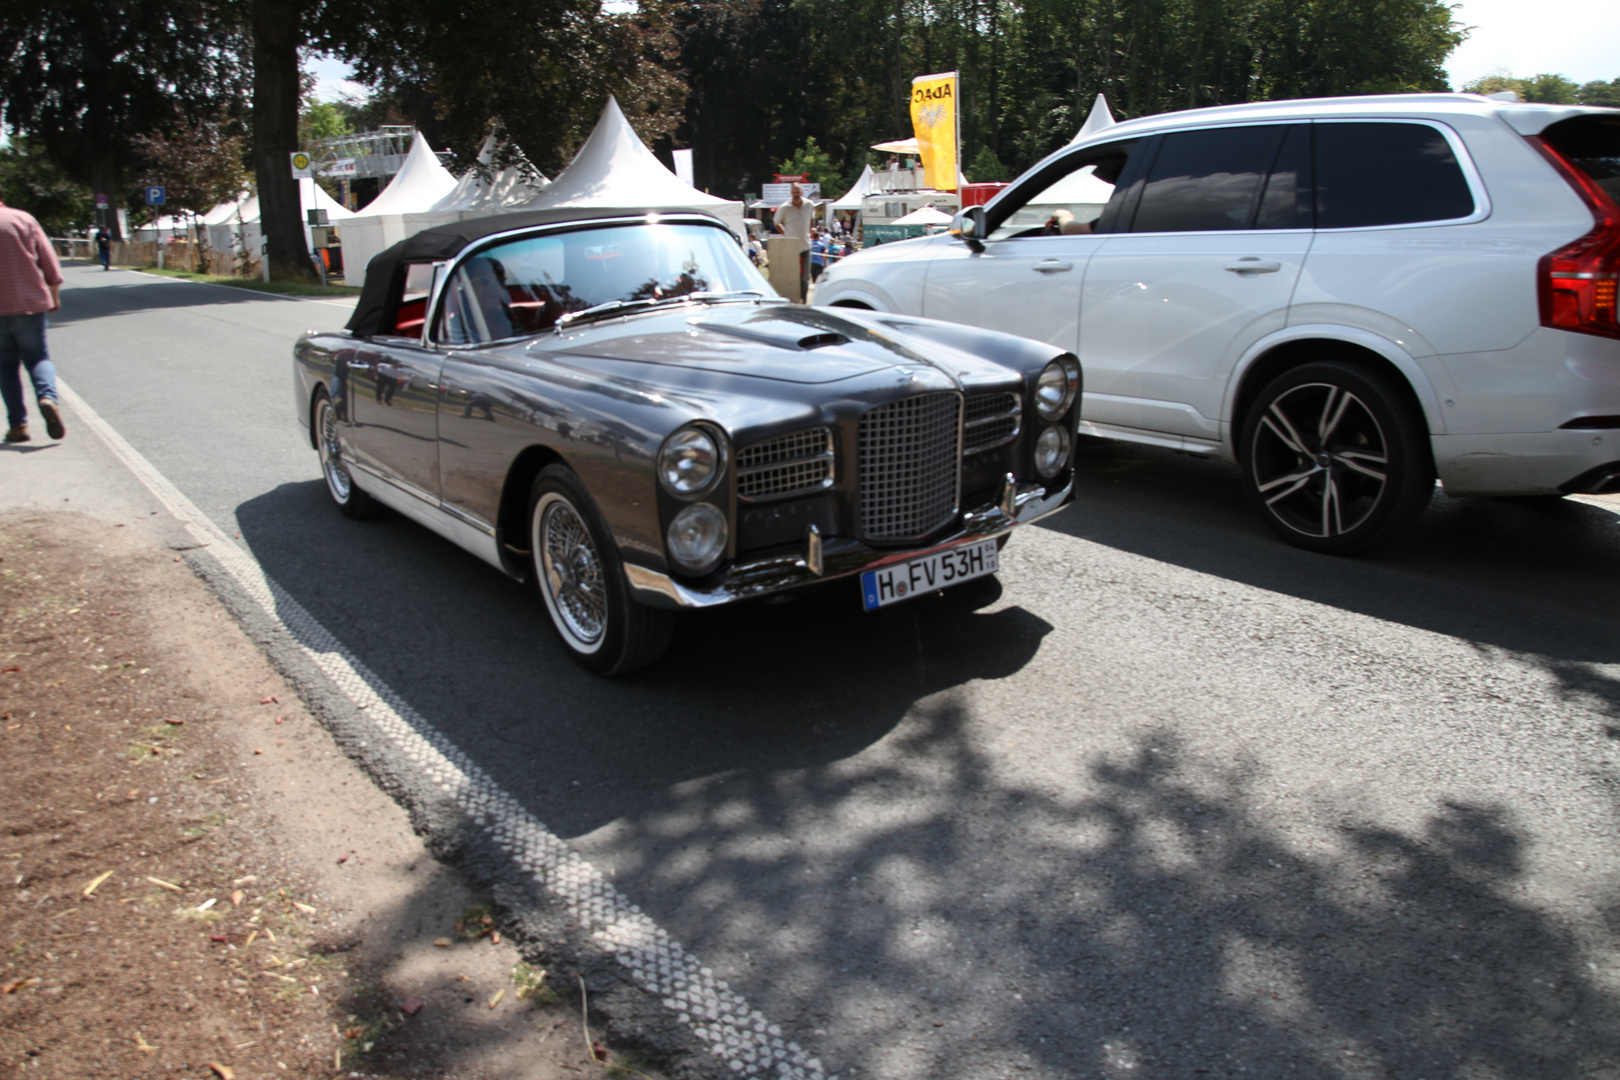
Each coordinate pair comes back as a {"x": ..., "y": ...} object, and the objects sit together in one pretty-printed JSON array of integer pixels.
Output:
[
  {"x": 172, "y": 720},
  {"x": 141, "y": 1042},
  {"x": 218, "y": 937},
  {"x": 18, "y": 984},
  {"x": 165, "y": 884},
  {"x": 236, "y": 898},
  {"x": 598, "y": 1051},
  {"x": 208, "y": 903},
  {"x": 342, "y": 859},
  {"x": 495, "y": 938},
  {"x": 305, "y": 908},
  {"x": 222, "y": 1071},
  {"x": 442, "y": 943},
  {"x": 90, "y": 889},
  {"x": 496, "y": 1000},
  {"x": 411, "y": 1006}
]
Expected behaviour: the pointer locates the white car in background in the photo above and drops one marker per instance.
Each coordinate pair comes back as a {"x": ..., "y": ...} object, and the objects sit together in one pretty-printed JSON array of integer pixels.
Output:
[{"x": 1346, "y": 296}]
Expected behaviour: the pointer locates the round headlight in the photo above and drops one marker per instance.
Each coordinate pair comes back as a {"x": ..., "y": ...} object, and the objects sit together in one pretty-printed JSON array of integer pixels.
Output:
[
  {"x": 1051, "y": 452},
  {"x": 1056, "y": 387},
  {"x": 689, "y": 461},
  {"x": 697, "y": 536}
]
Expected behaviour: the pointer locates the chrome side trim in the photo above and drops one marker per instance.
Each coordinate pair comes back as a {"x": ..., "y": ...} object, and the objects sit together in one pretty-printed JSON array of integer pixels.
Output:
[
  {"x": 449, "y": 523},
  {"x": 840, "y": 558}
]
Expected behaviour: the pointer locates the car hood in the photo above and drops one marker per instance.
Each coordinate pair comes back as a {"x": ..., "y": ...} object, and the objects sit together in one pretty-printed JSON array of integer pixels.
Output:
[{"x": 780, "y": 342}]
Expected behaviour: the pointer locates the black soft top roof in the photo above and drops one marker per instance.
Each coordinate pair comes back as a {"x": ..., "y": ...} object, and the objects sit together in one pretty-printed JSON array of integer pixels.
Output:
[{"x": 443, "y": 241}]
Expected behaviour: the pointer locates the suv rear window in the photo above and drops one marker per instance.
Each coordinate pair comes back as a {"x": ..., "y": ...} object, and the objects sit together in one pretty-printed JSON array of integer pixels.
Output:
[
  {"x": 1386, "y": 174},
  {"x": 1592, "y": 145}
]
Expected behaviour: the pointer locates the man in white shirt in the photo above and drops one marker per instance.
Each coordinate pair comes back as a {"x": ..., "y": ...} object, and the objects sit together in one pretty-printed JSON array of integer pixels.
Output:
[{"x": 793, "y": 219}]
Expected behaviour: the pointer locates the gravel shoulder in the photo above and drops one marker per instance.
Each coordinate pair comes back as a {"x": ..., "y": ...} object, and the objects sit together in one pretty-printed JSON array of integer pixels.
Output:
[{"x": 196, "y": 882}]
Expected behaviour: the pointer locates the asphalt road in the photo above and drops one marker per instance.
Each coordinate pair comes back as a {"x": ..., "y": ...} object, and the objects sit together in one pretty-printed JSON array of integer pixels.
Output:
[{"x": 1171, "y": 800}]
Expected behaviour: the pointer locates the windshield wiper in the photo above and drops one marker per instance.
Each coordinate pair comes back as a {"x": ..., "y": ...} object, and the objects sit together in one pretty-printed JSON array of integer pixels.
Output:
[{"x": 613, "y": 306}]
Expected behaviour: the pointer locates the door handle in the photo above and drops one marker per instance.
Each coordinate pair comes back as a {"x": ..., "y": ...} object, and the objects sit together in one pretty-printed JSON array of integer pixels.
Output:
[
  {"x": 1252, "y": 265},
  {"x": 355, "y": 366},
  {"x": 1052, "y": 266}
]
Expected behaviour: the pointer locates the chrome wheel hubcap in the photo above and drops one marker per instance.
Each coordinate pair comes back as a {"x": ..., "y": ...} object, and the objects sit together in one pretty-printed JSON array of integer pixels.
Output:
[
  {"x": 337, "y": 474},
  {"x": 1320, "y": 460},
  {"x": 572, "y": 570}
]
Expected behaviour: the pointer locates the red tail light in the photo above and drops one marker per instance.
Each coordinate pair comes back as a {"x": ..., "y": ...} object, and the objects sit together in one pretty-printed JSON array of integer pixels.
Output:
[{"x": 1577, "y": 284}]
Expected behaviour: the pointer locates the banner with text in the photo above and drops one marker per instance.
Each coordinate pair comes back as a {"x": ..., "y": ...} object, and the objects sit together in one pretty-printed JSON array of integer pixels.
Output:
[{"x": 933, "y": 120}]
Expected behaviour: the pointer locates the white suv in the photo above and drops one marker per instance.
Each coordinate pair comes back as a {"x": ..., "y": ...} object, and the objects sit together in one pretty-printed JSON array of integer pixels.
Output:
[{"x": 1346, "y": 296}]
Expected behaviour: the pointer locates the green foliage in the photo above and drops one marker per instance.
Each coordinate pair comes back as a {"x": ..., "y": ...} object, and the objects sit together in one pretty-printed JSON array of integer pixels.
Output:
[
  {"x": 1551, "y": 89},
  {"x": 84, "y": 78},
  {"x": 322, "y": 120},
  {"x": 1598, "y": 92},
  {"x": 987, "y": 168},
  {"x": 813, "y": 162},
  {"x": 33, "y": 183}
]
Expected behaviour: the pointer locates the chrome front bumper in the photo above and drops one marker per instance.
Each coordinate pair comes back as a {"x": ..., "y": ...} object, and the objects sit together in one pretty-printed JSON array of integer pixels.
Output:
[{"x": 827, "y": 559}]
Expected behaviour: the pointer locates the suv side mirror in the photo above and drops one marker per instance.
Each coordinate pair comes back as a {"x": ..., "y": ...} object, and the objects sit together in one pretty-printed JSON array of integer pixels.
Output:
[{"x": 968, "y": 226}]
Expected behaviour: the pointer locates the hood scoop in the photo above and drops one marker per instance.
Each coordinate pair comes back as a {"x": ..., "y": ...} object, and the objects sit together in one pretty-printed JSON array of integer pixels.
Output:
[
  {"x": 821, "y": 341},
  {"x": 795, "y": 328}
]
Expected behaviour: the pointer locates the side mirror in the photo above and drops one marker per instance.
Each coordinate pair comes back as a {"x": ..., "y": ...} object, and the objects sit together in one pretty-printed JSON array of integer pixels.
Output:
[{"x": 969, "y": 227}]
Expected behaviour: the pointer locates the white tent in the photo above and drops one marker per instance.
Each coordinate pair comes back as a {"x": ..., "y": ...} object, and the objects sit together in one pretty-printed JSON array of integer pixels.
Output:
[
  {"x": 1096, "y": 120},
  {"x": 238, "y": 225},
  {"x": 925, "y": 215},
  {"x": 514, "y": 187},
  {"x": 900, "y": 146},
  {"x": 855, "y": 198},
  {"x": 420, "y": 184},
  {"x": 615, "y": 170}
]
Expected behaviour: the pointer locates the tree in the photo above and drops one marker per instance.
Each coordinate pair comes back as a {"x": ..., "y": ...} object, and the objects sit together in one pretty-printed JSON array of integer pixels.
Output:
[
  {"x": 82, "y": 78},
  {"x": 32, "y": 182},
  {"x": 200, "y": 164},
  {"x": 1598, "y": 92},
  {"x": 1550, "y": 89},
  {"x": 812, "y": 162},
  {"x": 987, "y": 168}
]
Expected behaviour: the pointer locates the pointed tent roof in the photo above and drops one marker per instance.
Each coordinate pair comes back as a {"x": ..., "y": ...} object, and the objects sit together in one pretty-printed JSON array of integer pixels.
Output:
[
  {"x": 514, "y": 186},
  {"x": 852, "y": 199},
  {"x": 420, "y": 183},
  {"x": 311, "y": 196},
  {"x": 1096, "y": 120},
  {"x": 615, "y": 169}
]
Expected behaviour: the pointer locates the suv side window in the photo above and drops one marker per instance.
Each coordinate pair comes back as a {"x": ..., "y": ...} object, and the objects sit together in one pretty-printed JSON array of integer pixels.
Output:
[
  {"x": 1370, "y": 173},
  {"x": 1207, "y": 180},
  {"x": 1068, "y": 196}
]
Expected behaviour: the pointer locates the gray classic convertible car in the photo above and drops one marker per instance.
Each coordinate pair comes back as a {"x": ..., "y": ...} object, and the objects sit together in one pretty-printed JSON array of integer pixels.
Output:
[{"x": 617, "y": 405}]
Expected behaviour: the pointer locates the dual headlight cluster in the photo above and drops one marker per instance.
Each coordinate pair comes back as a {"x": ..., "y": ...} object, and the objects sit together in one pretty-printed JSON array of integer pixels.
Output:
[
  {"x": 690, "y": 466},
  {"x": 1055, "y": 391}
]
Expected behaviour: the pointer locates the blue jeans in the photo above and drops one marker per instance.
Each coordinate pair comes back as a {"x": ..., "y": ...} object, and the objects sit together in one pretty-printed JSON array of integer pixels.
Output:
[{"x": 22, "y": 344}]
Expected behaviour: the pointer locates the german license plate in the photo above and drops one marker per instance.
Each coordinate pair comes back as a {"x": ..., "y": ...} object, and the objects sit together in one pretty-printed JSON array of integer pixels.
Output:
[{"x": 901, "y": 581}]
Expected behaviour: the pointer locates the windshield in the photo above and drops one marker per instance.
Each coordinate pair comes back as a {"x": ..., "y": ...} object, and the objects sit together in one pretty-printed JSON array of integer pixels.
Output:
[{"x": 524, "y": 286}]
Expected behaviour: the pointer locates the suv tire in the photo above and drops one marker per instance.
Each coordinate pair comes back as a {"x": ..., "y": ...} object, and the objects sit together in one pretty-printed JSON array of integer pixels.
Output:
[{"x": 1335, "y": 457}]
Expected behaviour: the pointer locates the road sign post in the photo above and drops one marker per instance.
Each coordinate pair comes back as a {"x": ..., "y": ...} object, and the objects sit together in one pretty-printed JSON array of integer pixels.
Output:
[{"x": 301, "y": 165}]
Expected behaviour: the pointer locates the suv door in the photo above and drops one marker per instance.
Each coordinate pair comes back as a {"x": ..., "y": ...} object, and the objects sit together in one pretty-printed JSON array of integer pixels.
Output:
[
  {"x": 1025, "y": 277},
  {"x": 1201, "y": 264}
]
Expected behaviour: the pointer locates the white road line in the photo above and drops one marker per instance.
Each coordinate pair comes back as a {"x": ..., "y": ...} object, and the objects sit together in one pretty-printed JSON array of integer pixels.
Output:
[{"x": 748, "y": 1043}]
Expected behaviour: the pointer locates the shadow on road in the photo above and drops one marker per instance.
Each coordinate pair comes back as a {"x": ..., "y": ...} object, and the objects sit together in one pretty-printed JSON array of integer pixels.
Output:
[
  {"x": 1532, "y": 577},
  {"x": 139, "y": 293},
  {"x": 913, "y": 912}
]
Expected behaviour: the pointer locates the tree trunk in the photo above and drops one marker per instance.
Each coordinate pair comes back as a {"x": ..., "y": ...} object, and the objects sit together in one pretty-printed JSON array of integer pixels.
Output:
[{"x": 276, "y": 35}]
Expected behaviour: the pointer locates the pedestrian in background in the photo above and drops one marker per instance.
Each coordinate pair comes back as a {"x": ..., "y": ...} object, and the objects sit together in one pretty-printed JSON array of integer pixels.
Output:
[
  {"x": 793, "y": 219},
  {"x": 30, "y": 286},
  {"x": 104, "y": 248}
]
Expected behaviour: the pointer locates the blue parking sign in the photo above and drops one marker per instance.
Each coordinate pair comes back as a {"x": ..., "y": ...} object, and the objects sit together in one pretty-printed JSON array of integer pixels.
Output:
[{"x": 155, "y": 196}]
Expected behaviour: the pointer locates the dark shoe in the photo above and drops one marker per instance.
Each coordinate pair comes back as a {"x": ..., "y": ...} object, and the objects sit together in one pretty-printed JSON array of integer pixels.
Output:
[
  {"x": 53, "y": 418},
  {"x": 18, "y": 434}
]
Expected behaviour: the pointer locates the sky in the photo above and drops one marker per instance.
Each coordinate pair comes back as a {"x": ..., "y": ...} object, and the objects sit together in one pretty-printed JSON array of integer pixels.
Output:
[{"x": 1578, "y": 39}]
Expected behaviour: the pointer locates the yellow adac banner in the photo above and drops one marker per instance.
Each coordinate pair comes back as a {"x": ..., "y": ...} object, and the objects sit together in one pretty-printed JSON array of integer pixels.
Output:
[{"x": 933, "y": 120}]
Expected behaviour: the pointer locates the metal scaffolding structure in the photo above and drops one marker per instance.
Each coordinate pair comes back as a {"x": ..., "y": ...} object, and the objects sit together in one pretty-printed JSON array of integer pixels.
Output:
[{"x": 379, "y": 153}]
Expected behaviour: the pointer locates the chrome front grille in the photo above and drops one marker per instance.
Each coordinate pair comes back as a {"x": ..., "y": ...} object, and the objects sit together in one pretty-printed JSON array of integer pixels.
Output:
[
  {"x": 791, "y": 464},
  {"x": 990, "y": 420},
  {"x": 909, "y": 466}
]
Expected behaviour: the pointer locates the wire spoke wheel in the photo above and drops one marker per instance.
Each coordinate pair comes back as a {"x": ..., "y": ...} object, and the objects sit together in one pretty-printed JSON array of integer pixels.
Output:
[
  {"x": 571, "y": 571},
  {"x": 1335, "y": 458},
  {"x": 336, "y": 472}
]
